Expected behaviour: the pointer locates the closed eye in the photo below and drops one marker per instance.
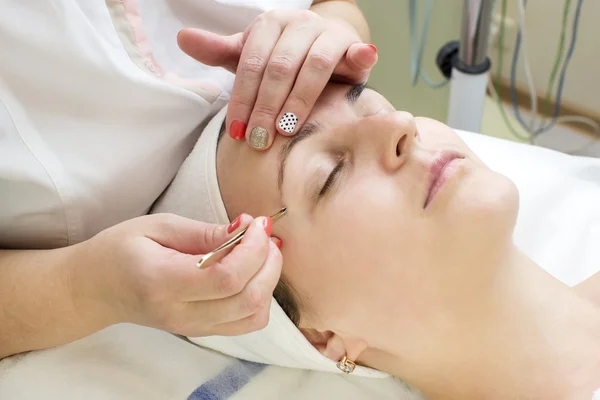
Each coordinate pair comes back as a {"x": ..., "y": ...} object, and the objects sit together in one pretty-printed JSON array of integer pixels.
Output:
[{"x": 331, "y": 180}]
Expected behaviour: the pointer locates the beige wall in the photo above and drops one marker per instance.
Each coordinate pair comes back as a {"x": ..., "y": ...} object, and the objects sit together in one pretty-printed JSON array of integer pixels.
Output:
[{"x": 390, "y": 33}]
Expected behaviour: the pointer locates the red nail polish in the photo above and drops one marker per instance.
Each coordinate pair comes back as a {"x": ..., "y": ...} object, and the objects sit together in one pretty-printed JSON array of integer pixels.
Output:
[
  {"x": 372, "y": 46},
  {"x": 238, "y": 130},
  {"x": 267, "y": 224},
  {"x": 234, "y": 225},
  {"x": 277, "y": 242}
]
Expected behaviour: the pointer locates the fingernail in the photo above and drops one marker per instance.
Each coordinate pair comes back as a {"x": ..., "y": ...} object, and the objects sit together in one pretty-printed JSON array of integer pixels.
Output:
[
  {"x": 259, "y": 138},
  {"x": 277, "y": 242},
  {"x": 267, "y": 224},
  {"x": 238, "y": 130},
  {"x": 234, "y": 225},
  {"x": 373, "y": 47},
  {"x": 288, "y": 122}
]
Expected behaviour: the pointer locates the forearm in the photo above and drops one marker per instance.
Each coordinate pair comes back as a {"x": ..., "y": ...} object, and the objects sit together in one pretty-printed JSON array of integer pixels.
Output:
[
  {"x": 37, "y": 307},
  {"x": 345, "y": 10},
  {"x": 590, "y": 289}
]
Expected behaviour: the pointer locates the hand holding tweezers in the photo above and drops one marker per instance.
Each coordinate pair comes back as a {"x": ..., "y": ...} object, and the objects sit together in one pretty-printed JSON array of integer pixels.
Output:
[{"x": 224, "y": 249}]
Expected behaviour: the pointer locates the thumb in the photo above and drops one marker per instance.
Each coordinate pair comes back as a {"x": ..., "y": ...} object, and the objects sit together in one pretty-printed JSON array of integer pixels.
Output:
[
  {"x": 212, "y": 49},
  {"x": 190, "y": 236}
]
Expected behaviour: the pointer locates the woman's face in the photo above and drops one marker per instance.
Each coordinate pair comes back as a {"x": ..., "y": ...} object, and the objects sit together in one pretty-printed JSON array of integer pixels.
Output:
[{"x": 371, "y": 241}]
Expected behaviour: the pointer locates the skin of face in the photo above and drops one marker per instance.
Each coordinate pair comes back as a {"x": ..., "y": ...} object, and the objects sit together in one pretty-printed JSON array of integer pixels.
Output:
[{"x": 370, "y": 264}]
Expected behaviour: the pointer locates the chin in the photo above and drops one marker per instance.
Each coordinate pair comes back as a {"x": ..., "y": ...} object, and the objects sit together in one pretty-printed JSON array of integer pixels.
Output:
[{"x": 499, "y": 199}]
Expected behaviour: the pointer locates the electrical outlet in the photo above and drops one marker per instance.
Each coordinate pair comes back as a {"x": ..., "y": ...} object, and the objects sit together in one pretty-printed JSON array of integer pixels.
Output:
[{"x": 510, "y": 33}]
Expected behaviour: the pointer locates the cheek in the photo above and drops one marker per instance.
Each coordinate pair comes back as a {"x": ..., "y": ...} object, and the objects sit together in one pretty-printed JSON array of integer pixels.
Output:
[
  {"x": 360, "y": 245},
  {"x": 248, "y": 178},
  {"x": 375, "y": 210}
]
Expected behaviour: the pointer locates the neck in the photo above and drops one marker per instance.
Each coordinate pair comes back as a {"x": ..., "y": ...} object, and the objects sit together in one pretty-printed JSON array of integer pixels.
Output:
[{"x": 525, "y": 336}]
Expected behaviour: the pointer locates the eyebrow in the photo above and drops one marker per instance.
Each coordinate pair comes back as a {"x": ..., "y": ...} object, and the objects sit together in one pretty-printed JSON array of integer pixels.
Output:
[
  {"x": 309, "y": 129},
  {"x": 354, "y": 92}
]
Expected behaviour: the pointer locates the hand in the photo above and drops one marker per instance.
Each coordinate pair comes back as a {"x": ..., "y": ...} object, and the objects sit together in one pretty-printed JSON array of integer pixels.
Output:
[
  {"x": 144, "y": 271},
  {"x": 282, "y": 63}
]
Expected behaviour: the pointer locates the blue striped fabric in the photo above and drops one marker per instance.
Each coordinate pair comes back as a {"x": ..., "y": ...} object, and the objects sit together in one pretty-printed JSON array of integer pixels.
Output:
[{"x": 231, "y": 380}]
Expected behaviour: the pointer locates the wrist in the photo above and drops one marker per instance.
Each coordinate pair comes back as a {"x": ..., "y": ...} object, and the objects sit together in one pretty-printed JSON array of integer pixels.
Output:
[
  {"x": 345, "y": 12},
  {"x": 89, "y": 287}
]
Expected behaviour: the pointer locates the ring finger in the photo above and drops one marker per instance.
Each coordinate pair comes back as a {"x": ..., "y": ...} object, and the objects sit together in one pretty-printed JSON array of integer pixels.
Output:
[{"x": 260, "y": 43}]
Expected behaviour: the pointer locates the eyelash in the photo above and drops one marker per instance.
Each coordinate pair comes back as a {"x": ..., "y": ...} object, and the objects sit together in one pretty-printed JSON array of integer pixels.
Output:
[{"x": 331, "y": 179}]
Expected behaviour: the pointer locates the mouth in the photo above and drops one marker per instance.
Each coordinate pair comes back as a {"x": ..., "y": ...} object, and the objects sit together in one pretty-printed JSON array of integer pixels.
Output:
[{"x": 441, "y": 169}]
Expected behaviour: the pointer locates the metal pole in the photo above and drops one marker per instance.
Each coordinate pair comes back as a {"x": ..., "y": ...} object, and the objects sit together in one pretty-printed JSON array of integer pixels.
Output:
[
  {"x": 475, "y": 35},
  {"x": 470, "y": 67}
]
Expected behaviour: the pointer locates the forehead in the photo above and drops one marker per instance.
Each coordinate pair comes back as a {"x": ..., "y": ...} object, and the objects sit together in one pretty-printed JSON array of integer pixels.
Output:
[
  {"x": 337, "y": 97},
  {"x": 242, "y": 169}
]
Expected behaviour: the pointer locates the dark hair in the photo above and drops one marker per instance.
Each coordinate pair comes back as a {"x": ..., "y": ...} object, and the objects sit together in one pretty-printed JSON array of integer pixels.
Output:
[{"x": 283, "y": 293}]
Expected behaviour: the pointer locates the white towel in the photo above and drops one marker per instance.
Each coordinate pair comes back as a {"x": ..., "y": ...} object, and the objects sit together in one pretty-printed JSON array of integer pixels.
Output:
[
  {"x": 194, "y": 193},
  {"x": 138, "y": 363}
]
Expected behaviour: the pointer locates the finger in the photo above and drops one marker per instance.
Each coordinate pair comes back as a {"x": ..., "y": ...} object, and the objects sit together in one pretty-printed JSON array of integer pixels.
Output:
[
  {"x": 277, "y": 242},
  {"x": 231, "y": 274},
  {"x": 280, "y": 74},
  {"x": 210, "y": 48},
  {"x": 186, "y": 235},
  {"x": 249, "y": 324},
  {"x": 255, "y": 299},
  {"x": 326, "y": 52},
  {"x": 357, "y": 64},
  {"x": 257, "y": 50}
]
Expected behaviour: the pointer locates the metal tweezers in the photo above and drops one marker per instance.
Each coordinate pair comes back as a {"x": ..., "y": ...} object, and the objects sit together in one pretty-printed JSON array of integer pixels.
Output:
[{"x": 221, "y": 251}]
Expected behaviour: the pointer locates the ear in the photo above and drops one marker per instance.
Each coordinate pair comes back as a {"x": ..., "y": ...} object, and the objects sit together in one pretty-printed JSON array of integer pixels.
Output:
[{"x": 335, "y": 346}]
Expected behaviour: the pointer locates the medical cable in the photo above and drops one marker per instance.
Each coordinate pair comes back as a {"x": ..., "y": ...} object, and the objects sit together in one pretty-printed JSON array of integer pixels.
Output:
[
  {"x": 521, "y": 4},
  {"x": 417, "y": 49},
  {"x": 557, "y": 119},
  {"x": 513, "y": 73},
  {"x": 494, "y": 90},
  {"x": 560, "y": 120},
  {"x": 561, "y": 81},
  {"x": 558, "y": 59}
]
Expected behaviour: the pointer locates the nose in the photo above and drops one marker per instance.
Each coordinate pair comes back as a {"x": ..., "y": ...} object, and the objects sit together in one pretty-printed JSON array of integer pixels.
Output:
[{"x": 392, "y": 138}]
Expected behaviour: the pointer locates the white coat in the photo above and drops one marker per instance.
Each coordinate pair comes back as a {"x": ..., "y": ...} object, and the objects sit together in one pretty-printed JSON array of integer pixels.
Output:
[{"x": 99, "y": 108}]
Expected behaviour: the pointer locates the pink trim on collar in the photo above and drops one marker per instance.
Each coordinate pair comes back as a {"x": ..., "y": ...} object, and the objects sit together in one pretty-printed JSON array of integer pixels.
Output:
[{"x": 138, "y": 48}]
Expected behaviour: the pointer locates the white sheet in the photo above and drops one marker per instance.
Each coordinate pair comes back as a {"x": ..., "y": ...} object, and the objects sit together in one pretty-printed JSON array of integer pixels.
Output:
[
  {"x": 559, "y": 226},
  {"x": 559, "y": 216}
]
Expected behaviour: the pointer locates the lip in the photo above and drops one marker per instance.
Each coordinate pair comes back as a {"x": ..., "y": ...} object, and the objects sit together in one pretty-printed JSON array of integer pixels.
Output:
[{"x": 440, "y": 171}]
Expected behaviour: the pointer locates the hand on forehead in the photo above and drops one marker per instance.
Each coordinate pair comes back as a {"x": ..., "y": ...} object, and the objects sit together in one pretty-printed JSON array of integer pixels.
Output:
[{"x": 282, "y": 62}]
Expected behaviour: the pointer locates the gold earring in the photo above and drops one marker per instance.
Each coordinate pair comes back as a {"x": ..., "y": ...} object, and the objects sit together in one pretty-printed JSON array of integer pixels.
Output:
[{"x": 345, "y": 365}]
